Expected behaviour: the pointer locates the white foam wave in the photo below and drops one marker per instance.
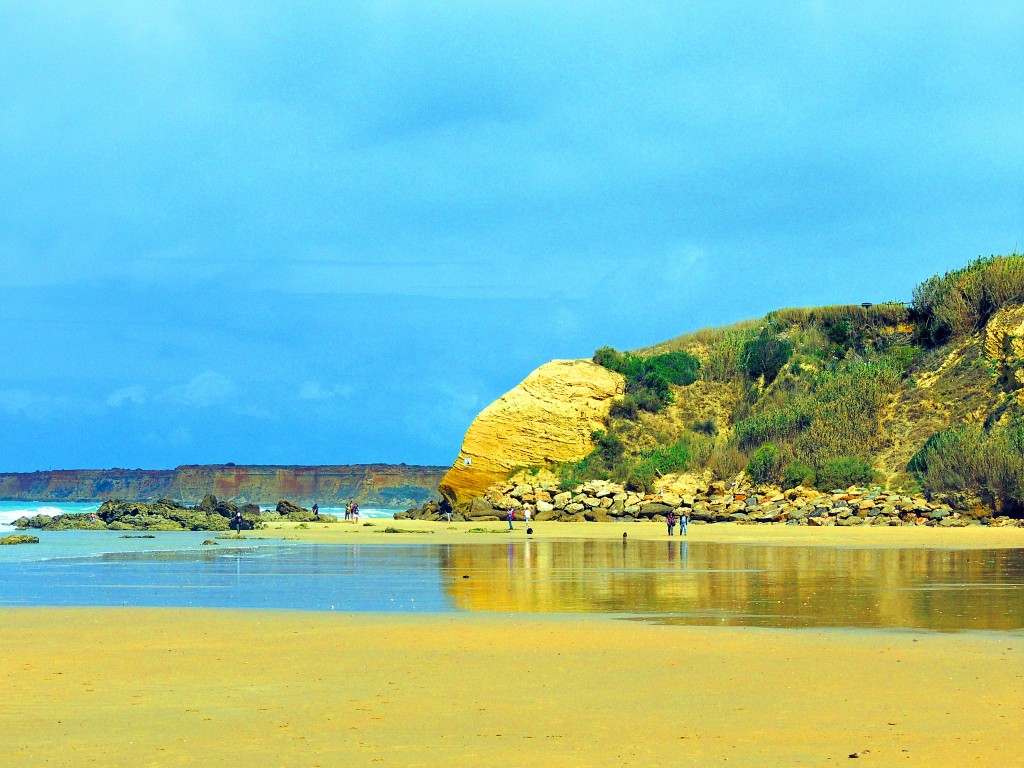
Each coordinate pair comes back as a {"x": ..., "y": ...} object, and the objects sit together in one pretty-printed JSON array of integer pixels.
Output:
[{"x": 8, "y": 516}]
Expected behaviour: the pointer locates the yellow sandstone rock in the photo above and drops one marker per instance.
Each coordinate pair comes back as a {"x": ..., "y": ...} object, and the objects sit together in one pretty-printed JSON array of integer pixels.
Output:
[
  {"x": 549, "y": 417},
  {"x": 1004, "y": 342}
]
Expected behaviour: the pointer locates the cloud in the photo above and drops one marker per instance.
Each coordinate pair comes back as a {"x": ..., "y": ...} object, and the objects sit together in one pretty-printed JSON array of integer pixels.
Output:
[
  {"x": 202, "y": 391},
  {"x": 21, "y": 402},
  {"x": 133, "y": 395},
  {"x": 314, "y": 390}
]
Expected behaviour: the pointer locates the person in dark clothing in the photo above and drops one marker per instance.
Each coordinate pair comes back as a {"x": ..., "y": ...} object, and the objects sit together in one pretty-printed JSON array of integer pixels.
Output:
[{"x": 671, "y": 520}]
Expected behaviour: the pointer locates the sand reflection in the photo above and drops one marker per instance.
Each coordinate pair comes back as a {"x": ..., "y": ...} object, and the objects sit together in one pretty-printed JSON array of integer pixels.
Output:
[{"x": 702, "y": 583}]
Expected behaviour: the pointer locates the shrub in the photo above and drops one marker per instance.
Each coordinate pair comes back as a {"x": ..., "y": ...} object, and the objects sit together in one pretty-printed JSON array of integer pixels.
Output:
[
  {"x": 918, "y": 463},
  {"x": 609, "y": 357},
  {"x": 763, "y": 466},
  {"x": 587, "y": 468},
  {"x": 968, "y": 459},
  {"x": 843, "y": 472},
  {"x": 679, "y": 368},
  {"x": 626, "y": 408},
  {"x": 726, "y": 461},
  {"x": 649, "y": 400},
  {"x": 723, "y": 356},
  {"x": 607, "y": 446},
  {"x": 649, "y": 379},
  {"x": 707, "y": 427},
  {"x": 640, "y": 478},
  {"x": 963, "y": 300},
  {"x": 798, "y": 473},
  {"x": 776, "y": 423},
  {"x": 672, "y": 458},
  {"x": 902, "y": 358},
  {"x": 765, "y": 354},
  {"x": 844, "y": 405}
]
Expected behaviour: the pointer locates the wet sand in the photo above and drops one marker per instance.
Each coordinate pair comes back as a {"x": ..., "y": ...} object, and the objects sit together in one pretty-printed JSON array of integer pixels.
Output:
[
  {"x": 141, "y": 687},
  {"x": 190, "y": 687},
  {"x": 372, "y": 531}
]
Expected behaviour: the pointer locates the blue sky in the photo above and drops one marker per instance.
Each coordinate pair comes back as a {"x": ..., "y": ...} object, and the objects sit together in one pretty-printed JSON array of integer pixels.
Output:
[{"x": 325, "y": 233}]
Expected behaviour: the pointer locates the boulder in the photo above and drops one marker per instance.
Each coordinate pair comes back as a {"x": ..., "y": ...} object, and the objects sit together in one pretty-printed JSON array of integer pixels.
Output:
[{"x": 284, "y": 507}]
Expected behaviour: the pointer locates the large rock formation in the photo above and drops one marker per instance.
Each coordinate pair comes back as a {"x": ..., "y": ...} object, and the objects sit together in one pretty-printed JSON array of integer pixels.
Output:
[
  {"x": 370, "y": 485},
  {"x": 1004, "y": 345},
  {"x": 549, "y": 417}
]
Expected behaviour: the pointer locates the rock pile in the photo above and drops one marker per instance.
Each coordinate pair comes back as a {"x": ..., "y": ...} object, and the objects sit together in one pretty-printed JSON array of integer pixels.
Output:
[
  {"x": 170, "y": 515},
  {"x": 600, "y": 500}
]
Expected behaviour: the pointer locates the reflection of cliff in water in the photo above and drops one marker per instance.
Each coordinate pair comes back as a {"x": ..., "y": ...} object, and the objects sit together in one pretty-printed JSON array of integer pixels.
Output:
[{"x": 701, "y": 583}]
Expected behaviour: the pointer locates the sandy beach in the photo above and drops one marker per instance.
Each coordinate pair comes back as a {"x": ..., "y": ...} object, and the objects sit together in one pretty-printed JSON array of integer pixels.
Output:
[
  {"x": 197, "y": 687},
  {"x": 148, "y": 687}
]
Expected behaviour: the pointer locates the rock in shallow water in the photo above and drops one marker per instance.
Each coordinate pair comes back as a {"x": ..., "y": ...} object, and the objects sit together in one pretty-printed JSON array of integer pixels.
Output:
[{"x": 20, "y": 538}]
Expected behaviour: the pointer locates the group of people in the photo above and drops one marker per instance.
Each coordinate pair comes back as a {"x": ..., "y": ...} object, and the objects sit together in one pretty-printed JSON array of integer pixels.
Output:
[
  {"x": 684, "y": 523},
  {"x": 352, "y": 511},
  {"x": 527, "y": 514}
]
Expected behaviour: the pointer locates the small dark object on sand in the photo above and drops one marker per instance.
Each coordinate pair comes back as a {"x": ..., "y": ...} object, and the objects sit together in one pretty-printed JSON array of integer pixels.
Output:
[
  {"x": 623, "y": 534},
  {"x": 465, "y": 576},
  {"x": 529, "y": 530}
]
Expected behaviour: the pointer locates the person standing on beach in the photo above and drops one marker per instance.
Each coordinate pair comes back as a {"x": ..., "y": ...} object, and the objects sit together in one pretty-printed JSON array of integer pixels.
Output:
[
  {"x": 316, "y": 509},
  {"x": 511, "y": 514},
  {"x": 238, "y": 522},
  {"x": 355, "y": 512},
  {"x": 671, "y": 520},
  {"x": 684, "y": 523},
  {"x": 526, "y": 515}
]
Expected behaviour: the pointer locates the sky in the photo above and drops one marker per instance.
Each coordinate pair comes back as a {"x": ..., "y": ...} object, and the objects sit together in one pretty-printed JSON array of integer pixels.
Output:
[{"x": 333, "y": 232}]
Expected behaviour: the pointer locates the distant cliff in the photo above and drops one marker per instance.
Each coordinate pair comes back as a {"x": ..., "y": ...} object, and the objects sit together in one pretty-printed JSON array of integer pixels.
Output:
[{"x": 383, "y": 485}]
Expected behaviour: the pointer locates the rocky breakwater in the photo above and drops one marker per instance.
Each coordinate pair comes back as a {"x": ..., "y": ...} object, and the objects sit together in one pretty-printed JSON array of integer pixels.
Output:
[
  {"x": 549, "y": 417},
  {"x": 603, "y": 501}
]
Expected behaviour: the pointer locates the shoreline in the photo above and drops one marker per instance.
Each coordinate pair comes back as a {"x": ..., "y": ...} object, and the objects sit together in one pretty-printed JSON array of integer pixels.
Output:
[
  {"x": 466, "y": 532},
  {"x": 224, "y": 687}
]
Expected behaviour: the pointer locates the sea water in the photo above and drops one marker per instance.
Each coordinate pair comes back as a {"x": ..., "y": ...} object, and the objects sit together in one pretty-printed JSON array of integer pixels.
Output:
[
  {"x": 12, "y": 510},
  {"x": 177, "y": 569},
  {"x": 674, "y": 582}
]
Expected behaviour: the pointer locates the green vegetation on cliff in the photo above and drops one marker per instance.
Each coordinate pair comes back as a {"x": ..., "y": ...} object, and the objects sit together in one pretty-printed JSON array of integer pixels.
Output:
[{"x": 920, "y": 397}]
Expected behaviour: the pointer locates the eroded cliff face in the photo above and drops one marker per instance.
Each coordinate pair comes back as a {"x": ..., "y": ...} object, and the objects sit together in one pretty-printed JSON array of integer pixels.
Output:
[
  {"x": 1004, "y": 347},
  {"x": 383, "y": 485},
  {"x": 549, "y": 417}
]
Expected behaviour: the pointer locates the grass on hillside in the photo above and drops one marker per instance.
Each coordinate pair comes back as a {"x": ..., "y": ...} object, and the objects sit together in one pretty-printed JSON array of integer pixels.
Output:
[{"x": 803, "y": 395}]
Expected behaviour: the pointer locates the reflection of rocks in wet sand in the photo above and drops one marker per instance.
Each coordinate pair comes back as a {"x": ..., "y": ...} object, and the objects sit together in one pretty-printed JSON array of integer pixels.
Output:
[{"x": 700, "y": 583}]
